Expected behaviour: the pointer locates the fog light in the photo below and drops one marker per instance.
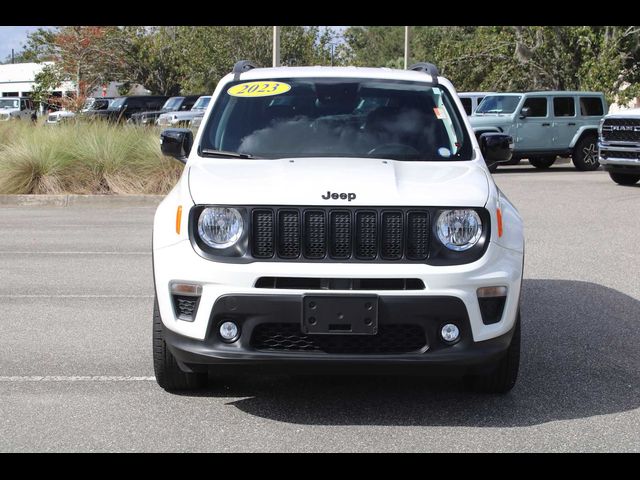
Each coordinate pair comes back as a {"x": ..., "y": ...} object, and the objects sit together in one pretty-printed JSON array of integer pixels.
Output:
[
  {"x": 229, "y": 331},
  {"x": 450, "y": 333}
]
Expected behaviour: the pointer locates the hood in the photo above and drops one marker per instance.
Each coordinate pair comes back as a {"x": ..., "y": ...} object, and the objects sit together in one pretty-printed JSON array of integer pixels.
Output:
[
  {"x": 305, "y": 181},
  {"x": 490, "y": 120},
  {"x": 631, "y": 112},
  {"x": 9, "y": 110}
]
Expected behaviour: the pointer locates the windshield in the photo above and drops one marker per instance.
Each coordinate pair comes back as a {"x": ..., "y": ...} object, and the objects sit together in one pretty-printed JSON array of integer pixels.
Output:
[
  {"x": 9, "y": 103},
  {"x": 498, "y": 104},
  {"x": 172, "y": 104},
  {"x": 201, "y": 104},
  {"x": 321, "y": 117},
  {"x": 117, "y": 103}
]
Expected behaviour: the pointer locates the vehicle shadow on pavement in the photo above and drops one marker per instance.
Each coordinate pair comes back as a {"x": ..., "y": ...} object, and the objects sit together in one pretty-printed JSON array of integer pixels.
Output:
[{"x": 580, "y": 358}]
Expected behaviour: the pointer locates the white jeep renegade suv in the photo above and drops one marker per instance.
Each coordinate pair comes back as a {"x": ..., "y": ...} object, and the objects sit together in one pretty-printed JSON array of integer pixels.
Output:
[{"x": 337, "y": 218}]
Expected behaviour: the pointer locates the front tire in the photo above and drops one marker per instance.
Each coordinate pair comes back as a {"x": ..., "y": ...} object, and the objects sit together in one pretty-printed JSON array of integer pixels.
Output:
[
  {"x": 625, "y": 178},
  {"x": 542, "y": 163},
  {"x": 585, "y": 154},
  {"x": 504, "y": 373},
  {"x": 168, "y": 374}
]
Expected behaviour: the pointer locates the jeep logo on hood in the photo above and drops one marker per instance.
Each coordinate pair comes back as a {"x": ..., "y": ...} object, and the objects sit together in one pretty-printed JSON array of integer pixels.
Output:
[{"x": 341, "y": 196}]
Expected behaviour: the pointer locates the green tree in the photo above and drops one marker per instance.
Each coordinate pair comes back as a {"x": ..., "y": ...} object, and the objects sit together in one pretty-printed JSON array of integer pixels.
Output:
[{"x": 507, "y": 58}]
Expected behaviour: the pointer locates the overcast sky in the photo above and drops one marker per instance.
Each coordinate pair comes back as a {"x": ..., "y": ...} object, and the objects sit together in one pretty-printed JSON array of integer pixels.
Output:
[{"x": 13, "y": 37}]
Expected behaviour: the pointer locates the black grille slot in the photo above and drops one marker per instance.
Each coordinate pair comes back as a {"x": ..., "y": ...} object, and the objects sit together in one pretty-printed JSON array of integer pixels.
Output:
[
  {"x": 366, "y": 235},
  {"x": 263, "y": 234},
  {"x": 621, "y": 130},
  {"x": 341, "y": 233},
  {"x": 289, "y": 234},
  {"x": 417, "y": 235},
  {"x": 390, "y": 339},
  {"x": 392, "y": 235},
  {"x": 302, "y": 283},
  {"x": 185, "y": 306},
  {"x": 315, "y": 235}
]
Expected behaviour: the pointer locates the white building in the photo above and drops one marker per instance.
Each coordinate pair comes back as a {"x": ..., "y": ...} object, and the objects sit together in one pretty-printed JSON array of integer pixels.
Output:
[{"x": 18, "y": 79}]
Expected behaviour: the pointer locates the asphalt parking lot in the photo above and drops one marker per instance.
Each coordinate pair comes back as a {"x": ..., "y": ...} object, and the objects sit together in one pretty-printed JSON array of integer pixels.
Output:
[{"x": 75, "y": 359}]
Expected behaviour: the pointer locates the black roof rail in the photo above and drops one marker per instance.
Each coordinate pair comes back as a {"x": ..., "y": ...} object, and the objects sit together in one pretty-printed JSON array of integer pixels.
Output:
[
  {"x": 242, "y": 66},
  {"x": 429, "y": 68}
]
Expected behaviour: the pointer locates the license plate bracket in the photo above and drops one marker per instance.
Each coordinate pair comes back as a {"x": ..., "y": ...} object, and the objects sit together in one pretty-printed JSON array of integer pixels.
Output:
[{"x": 340, "y": 315}]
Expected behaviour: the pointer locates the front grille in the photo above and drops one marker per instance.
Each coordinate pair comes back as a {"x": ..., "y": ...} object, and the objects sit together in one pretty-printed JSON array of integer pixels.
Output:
[
  {"x": 621, "y": 130},
  {"x": 340, "y": 234},
  {"x": 619, "y": 154},
  {"x": 390, "y": 339}
]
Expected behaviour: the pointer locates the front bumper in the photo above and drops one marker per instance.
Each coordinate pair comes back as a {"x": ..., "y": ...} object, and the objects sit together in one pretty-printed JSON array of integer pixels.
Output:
[
  {"x": 624, "y": 155},
  {"x": 178, "y": 262},
  {"x": 251, "y": 312}
]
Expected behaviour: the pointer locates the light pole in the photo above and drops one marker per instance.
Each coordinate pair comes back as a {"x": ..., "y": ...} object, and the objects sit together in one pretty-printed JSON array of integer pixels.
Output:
[
  {"x": 406, "y": 47},
  {"x": 276, "y": 46}
]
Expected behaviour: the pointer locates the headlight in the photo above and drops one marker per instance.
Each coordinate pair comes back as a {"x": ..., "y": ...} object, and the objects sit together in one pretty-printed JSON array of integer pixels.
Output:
[
  {"x": 600, "y": 126},
  {"x": 220, "y": 227},
  {"x": 459, "y": 230}
]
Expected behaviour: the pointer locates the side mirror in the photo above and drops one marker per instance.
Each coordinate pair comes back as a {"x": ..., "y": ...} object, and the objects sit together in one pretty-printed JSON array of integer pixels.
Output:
[
  {"x": 496, "y": 147},
  {"x": 525, "y": 112},
  {"x": 176, "y": 143}
]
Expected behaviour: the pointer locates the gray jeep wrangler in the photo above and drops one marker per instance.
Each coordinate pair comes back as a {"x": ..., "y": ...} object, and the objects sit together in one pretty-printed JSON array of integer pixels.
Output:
[{"x": 545, "y": 125}]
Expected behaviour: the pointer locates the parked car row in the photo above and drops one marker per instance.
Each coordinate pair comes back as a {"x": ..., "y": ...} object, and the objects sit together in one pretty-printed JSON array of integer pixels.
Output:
[{"x": 138, "y": 110}]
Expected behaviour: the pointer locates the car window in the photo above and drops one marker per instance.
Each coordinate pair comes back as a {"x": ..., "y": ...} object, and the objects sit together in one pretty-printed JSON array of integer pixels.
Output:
[
  {"x": 202, "y": 103},
  {"x": 537, "y": 106},
  {"x": 591, "y": 106},
  {"x": 172, "y": 104},
  {"x": 320, "y": 117},
  {"x": 135, "y": 103},
  {"x": 188, "y": 103},
  {"x": 466, "y": 104},
  {"x": 117, "y": 103},
  {"x": 564, "y": 107},
  {"x": 154, "y": 104},
  {"x": 498, "y": 104}
]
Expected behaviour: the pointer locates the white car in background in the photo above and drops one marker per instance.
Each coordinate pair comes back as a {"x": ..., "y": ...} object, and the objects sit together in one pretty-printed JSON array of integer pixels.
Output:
[
  {"x": 17, "y": 108},
  {"x": 55, "y": 118},
  {"x": 184, "y": 119}
]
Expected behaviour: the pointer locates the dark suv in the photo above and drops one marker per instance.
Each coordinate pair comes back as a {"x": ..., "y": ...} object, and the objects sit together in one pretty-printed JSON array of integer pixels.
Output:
[
  {"x": 122, "y": 108},
  {"x": 173, "y": 104}
]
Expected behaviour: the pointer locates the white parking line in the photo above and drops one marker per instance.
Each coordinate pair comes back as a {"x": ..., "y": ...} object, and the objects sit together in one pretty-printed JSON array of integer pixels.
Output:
[
  {"x": 11, "y": 252},
  {"x": 75, "y": 296},
  {"x": 75, "y": 378}
]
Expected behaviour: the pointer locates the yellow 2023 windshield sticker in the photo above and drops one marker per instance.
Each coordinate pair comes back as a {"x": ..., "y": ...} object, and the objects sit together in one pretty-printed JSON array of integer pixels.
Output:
[{"x": 259, "y": 89}]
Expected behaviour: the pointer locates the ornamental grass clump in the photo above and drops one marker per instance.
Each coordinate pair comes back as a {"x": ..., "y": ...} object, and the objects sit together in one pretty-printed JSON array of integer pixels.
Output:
[{"x": 83, "y": 158}]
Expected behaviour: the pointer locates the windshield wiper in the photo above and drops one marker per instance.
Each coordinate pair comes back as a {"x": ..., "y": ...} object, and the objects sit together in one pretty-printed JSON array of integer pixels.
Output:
[{"x": 205, "y": 152}]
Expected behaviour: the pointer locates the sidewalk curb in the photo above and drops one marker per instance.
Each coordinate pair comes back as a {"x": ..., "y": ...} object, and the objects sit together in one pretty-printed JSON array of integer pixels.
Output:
[{"x": 80, "y": 200}]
